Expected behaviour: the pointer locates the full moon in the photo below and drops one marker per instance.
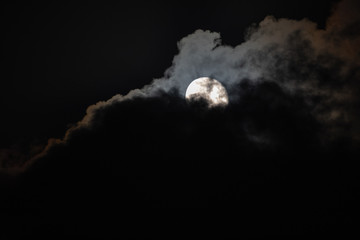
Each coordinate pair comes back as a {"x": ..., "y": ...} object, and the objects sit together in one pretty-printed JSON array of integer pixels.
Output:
[{"x": 208, "y": 89}]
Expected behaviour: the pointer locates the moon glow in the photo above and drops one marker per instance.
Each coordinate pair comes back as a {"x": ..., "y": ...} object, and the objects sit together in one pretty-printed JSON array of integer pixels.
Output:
[{"x": 209, "y": 90}]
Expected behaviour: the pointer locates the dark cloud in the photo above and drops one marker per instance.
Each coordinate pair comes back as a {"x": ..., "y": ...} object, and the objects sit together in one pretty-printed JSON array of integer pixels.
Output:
[
  {"x": 161, "y": 152},
  {"x": 286, "y": 143}
]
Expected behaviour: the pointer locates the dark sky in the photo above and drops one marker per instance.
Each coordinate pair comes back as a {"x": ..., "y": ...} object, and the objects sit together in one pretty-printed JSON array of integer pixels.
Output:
[{"x": 280, "y": 159}]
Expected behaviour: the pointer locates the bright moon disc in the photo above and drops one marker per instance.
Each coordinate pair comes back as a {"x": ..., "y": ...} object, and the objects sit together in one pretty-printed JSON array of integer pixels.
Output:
[{"x": 208, "y": 89}]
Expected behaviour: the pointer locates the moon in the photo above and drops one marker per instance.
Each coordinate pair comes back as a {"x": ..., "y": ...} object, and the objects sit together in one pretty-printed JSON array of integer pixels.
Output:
[{"x": 208, "y": 89}]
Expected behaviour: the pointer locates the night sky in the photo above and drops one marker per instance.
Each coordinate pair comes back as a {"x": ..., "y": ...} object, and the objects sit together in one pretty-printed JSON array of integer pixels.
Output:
[{"x": 97, "y": 139}]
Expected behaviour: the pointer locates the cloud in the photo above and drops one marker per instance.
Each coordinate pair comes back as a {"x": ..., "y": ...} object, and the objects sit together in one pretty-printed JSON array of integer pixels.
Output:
[
  {"x": 158, "y": 152},
  {"x": 318, "y": 66}
]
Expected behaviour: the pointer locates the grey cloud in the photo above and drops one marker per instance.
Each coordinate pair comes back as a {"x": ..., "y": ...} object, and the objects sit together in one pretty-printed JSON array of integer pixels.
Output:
[
  {"x": 320, "y": 65},
  {"x": 270, "y": 53}
]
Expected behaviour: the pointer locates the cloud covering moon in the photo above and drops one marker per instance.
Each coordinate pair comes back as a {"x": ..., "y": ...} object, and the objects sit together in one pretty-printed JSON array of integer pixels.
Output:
[{"x": 207, "y": 89}]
